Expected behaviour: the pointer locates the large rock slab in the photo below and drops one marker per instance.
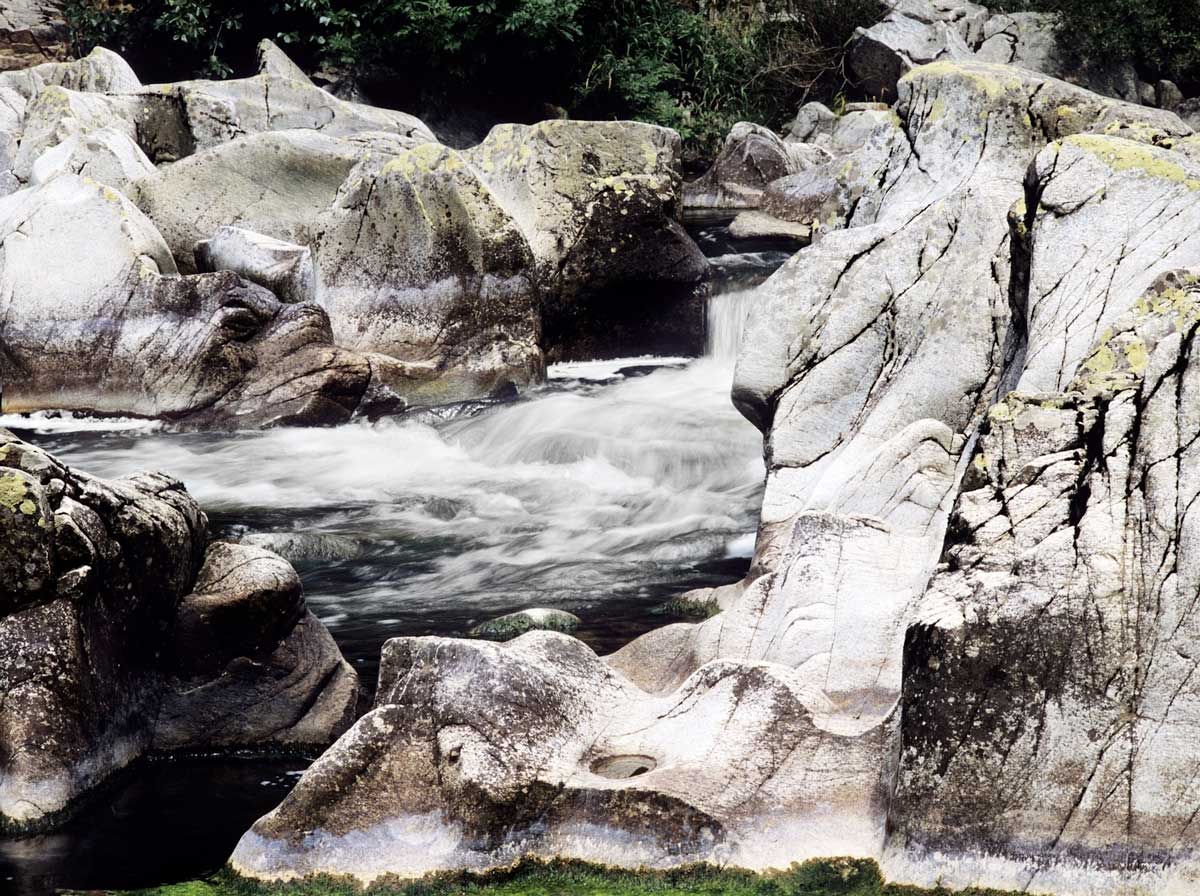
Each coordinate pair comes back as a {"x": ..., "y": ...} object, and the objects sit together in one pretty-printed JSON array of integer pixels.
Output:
[
  {"x": 1049, "y": 734},
  {"x": 204, "y": 350},
  {"x": 700, "y": 773},
  {"x": 97, "y": 579}
]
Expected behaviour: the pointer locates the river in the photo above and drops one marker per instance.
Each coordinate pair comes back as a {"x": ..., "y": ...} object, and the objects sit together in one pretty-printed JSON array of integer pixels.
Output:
[{"x": 605, "y": 492}]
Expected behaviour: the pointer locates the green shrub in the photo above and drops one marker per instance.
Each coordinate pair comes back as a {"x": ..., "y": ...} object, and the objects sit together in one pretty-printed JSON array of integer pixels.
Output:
[{"x": 684, "y": 65}]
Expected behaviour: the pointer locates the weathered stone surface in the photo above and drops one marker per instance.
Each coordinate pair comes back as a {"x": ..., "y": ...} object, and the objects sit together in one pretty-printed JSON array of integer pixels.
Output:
[
  {"x": 274, "y": 61},
  {"x": 1106, "y": 216},
  {"x": 673, "y": 780},
  {"x": 216, "y": 112},
  {"x": 815, "y": 196},
  {"x": 277, "y": 184},
  {"x": 869, "y": 362},
  {"x": 250, "y": 665},
  {"x": 419, "y": 262},
  {"x": 1168, "y": 95},
  {"x": 597, "y": 203},
  {"x": 210, "y": 349},
  {"x": 1049, "y": 722},
  {"x": 751, "y": 158},
  {"x": 32, "y": 32},
  {"x": 96, "y": 581},
  {"x": 107, "y": 156},
  {"x": 288, "y": 270},
  {"x": 917, "y": 32}
]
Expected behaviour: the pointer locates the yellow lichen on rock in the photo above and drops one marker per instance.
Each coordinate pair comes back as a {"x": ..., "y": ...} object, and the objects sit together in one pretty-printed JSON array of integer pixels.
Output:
[
  {"x": 1121, "y": 154},
  {"x": 13, "y": 492}
]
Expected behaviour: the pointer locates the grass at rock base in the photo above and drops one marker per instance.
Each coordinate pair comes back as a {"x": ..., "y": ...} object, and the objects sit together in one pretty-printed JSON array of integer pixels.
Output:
[{"x": 819, "y": 877}]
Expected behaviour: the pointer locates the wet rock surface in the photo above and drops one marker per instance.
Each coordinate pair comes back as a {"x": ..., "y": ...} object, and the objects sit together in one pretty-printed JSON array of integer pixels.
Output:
[{"x": 121, "y": 634}]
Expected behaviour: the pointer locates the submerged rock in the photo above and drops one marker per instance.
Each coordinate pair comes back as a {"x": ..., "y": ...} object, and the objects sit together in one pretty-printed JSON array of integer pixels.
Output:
[
  {"x": 512, "y": 625},
  {"x": 120, "y": 634}
]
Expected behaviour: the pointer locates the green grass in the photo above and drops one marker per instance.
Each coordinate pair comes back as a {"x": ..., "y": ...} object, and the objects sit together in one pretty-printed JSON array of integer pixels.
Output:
[{"x": 825, "y": 877}]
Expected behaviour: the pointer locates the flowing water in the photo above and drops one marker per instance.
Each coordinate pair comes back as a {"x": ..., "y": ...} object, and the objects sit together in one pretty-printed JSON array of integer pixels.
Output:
[{"x": 609, "y": 490}]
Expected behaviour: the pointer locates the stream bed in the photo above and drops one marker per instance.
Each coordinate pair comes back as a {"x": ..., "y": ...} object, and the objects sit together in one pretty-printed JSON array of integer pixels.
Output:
[{"x": 612, "y": 488}]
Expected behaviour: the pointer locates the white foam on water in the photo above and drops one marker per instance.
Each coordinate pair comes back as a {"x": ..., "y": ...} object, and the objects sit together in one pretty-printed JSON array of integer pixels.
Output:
[{"x": 56, "y": 421}]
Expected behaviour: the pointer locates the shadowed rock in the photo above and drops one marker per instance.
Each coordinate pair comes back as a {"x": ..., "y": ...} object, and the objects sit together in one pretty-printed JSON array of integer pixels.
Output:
[{"x": 107, "y": 651}]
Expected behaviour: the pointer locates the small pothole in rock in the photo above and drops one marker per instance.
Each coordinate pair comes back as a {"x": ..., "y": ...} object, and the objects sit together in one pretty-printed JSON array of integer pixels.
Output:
[{"x": 620, "y": 767}]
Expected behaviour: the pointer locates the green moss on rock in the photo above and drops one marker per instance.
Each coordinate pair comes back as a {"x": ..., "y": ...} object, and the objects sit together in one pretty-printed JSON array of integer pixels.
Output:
[{"x": 818, "y": 877}]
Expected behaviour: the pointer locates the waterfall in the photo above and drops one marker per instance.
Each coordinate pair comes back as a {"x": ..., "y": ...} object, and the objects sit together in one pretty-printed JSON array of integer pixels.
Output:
[{"x": 727, "y": 314}]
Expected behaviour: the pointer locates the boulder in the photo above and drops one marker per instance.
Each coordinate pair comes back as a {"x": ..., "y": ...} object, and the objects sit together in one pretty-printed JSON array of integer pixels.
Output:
[
  {"x": 913, "y": 33},
  {"x": 678, "y": 779},
  {"x": 917, "y": 32},
  {"x": 513, "y": 625},
  {"x": 250, "y": 664},
  {"x": 1189, "y": 111},
  {"x": 97, "y": 581},
  {"x": 216, "y": 112},
  {"x": 107, "y": 156},
  {"x": 47, "y": 105},
  {"x": 812, "y": 121},
  {"x": 210, "y": 349},
  {"x": 598, "y": 203},
  {"x": 1049, "y": 720},
  {"x": 419, "y": 262},
  {"x": 277, "y": 184},
  {"x": 751, "y": 158},
  {"x": 274, "y": 61},
  {"x": 1168, "y": 95},
  {"x": 813, "y": 197}
]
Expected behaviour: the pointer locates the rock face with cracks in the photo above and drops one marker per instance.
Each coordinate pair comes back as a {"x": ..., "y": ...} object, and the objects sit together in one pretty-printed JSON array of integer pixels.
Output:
[
  {"x": 1049, "y": 714},
  {"x": 121, "y": 634},
  {"x": 913, "y": 534}
]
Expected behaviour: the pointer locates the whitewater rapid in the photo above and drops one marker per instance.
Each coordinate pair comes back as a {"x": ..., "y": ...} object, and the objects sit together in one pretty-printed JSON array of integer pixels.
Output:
[{"x": 605, "y": 492}]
